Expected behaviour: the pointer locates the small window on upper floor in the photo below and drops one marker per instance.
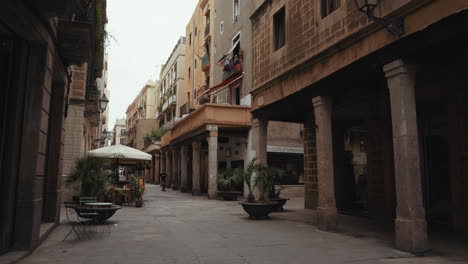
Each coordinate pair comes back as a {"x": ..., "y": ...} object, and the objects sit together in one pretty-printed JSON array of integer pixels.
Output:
[
  {"x": 279, "y": 22},
  {"x": 328, "y": 6},
  {"x": 196, "y": 31},
  {"x": 221, "y": 27},
  {"x": 195, "y": 64},
  {"x": 189, "y": 73},
  {"x": 236, "y": 10},
  {"x": 190, "y": 39}
]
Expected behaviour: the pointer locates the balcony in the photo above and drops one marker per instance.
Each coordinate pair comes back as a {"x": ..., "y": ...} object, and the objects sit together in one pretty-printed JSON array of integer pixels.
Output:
[
  {"x": 221, "y": 115},
  {"x": 206, "y": 62},
  {"x": 231, "y": 69},
  {"x": 171, "y": 100}
]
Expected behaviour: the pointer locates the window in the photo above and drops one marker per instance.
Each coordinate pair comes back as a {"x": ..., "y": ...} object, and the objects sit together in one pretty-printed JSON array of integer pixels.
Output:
[
  {"x": 279, "y": 22},
  {"x": 195, "y": 31},
  {"x": 221, "y": 27},
  {"x": 122, "y": 141},
  {"x": 236, "y": 10},
  {"x": 189, "y": 73},
  {"x": 190, "y": 39},
  {"x": 328, "y": 6},
  {"x": 195, "y": 64}
]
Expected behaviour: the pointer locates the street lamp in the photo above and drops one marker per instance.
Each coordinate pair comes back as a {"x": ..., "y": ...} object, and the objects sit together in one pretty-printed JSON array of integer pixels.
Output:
[
  {"x": 396, "y": 27},
  {"x": 103, "y": 101}
]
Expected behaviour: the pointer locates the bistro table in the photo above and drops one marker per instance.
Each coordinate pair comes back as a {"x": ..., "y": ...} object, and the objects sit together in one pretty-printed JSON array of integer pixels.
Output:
[{"x": 99, "y": 205}]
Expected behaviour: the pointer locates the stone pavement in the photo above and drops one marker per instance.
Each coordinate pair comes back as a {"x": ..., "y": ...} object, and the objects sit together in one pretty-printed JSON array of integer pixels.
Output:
[{"x": 177, "y": 228}]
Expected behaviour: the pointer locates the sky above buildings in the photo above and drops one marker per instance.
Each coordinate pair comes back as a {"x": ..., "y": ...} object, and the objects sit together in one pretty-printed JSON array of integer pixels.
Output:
[{"x": 142, "y": 36}]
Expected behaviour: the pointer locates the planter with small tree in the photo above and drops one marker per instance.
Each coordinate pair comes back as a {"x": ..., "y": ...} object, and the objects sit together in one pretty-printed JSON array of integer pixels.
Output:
[
  {"x": 261, "y": 207},
  {"x": 274, "y": 193},
  {"x": 89, "y": 172},
  {"x": 228, "y": 182}
]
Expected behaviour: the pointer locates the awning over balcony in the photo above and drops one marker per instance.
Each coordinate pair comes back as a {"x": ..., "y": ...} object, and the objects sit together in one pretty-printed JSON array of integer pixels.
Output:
[{"x": 224, "y": 84}]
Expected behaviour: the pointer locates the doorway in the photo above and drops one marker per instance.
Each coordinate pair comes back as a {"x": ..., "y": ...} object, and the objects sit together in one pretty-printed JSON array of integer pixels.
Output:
[{"x": 435, "y": 168}]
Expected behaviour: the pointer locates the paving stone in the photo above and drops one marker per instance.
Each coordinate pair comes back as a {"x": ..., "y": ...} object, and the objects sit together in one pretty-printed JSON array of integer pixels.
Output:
[{"x": 174, "y": 227}]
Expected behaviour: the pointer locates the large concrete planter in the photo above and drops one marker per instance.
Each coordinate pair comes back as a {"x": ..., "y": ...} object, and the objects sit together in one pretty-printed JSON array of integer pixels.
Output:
[
  {"x": 278, "y": 203},
  {"x": 258, "y": 210},
  {"x": 102, "y": 213}
]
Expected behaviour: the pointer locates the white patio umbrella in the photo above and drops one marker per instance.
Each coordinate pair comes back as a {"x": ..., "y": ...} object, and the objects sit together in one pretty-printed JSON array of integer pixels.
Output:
[{"x": 119, "y": 152}]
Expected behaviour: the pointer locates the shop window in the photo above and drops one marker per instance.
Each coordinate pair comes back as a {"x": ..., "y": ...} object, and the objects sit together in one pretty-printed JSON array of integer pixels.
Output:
[
  {"x": 328, "y": 6},
  {"x": 279, "y": 22}
]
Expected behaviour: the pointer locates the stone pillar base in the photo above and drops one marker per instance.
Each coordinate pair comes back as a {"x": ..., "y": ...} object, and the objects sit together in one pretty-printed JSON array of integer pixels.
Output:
[
  {"x": 411, "y": 235},
  {"x": 327, "y": 218},
  {"x": 212, "y": 195}
]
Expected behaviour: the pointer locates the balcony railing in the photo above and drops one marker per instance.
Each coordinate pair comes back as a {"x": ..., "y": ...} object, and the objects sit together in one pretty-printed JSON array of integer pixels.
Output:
[
  {"x": 206, "y": 62},
  {"x": 170, "y": 101},
  {"x": 233, "y": 67}
]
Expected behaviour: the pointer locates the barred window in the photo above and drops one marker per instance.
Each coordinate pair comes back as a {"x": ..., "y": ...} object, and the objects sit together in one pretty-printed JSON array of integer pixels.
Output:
[{"x": 328, "y": 6}]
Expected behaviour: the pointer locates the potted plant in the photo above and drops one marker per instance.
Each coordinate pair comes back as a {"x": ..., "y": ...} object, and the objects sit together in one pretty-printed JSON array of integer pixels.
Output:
[
  {"x": 261, "y": 207},
  {"x": 137, "y": 191},
  {"x": 274, "y": 193},
  {"x": 228, "y": 181},
  {"x": 89, "y": 173}
]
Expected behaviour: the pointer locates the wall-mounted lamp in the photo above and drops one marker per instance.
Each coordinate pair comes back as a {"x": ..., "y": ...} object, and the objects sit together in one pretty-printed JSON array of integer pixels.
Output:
[{"x": 396, "y": 27}]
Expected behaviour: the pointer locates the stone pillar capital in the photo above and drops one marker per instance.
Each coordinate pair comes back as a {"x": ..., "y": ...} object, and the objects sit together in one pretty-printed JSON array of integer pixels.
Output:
[
  {"x": 196, "y": 144},
  {"x": 256, "y": 122},
  {"x": 398, "y": 67},
  {"x": 322, "y": 100}
]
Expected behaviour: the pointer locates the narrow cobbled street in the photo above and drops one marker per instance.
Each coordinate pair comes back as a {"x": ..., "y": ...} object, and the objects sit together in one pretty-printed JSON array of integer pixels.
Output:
[{"x": 178, "y": 228}]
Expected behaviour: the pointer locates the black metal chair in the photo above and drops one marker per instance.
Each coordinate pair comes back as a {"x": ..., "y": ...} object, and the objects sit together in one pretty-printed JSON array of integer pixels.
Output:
[{"x": 81, "y": 220}]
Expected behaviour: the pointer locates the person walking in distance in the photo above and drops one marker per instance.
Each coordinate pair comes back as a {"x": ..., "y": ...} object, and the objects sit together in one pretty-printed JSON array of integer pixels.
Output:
[{"x": 163, "y": 180}]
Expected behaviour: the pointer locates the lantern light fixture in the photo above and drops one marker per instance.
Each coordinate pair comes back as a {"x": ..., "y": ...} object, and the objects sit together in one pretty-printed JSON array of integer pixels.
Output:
[
  {"x": 103, "y": 101},
  {"x": 396, "y": 27}
]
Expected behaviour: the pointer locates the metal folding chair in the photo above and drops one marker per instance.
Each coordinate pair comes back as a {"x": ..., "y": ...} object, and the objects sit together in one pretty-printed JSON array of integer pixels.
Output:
[{"x": 81, "y": 221}]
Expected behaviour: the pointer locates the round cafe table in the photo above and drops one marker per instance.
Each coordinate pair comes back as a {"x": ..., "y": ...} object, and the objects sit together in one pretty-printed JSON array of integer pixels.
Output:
[{"x": 99, "y": 205}]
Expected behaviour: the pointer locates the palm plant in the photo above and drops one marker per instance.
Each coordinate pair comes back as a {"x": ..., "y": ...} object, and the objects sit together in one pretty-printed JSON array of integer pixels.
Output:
[
  {"x": 266, "y": 179},
  {"x": 229, "y": 179},
  {"x": 247, "y": 175},
  {"x": 89, "y": 172}
]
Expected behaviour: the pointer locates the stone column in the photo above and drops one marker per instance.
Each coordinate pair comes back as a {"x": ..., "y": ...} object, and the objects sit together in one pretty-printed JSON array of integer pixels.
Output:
[
  {"x": 175, "y": 169},
  {"x": 183, "y": 168},
  {"x": 212, "y": 164},
  {"x": 259, "y": 145},
  {"x": 310, "y": 163},
  {"x": 259, "y": 137},
  {"x": 162, "y": 160},
  {"x": 157, "y": 158},
  {"x": 196, "y": 148},
  {"x": 410, "y": 222},
  {"x": 326, "y": 205},
  {"x": 168, "y": 169}
]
